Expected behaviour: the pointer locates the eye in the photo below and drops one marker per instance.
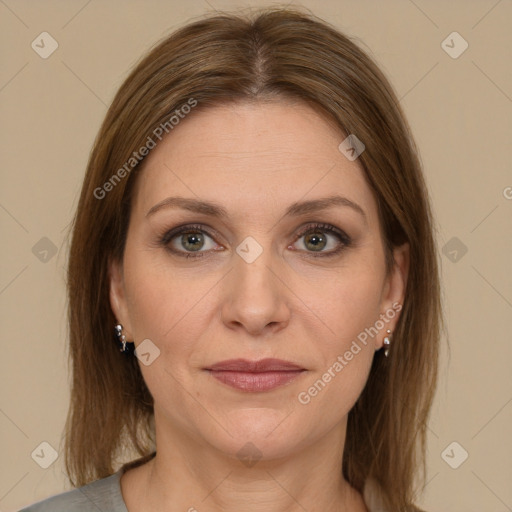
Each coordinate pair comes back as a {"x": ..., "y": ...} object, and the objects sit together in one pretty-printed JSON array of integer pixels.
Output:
[
  {"x": 193, "y": 241},
  {"x": 187, "y": 240},
  {"x": 318, "y": 237}
]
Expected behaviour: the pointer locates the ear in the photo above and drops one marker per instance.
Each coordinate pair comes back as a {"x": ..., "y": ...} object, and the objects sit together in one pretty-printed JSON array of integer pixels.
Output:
[
  {"x": 393, "y": 292},
  {"x": 118, "y": 301}
]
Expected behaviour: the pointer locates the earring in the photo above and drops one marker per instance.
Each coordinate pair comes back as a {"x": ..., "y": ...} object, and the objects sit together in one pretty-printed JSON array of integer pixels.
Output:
[
  {"x": 387, "y": 342},
  {"x": 122, "y": 339}
]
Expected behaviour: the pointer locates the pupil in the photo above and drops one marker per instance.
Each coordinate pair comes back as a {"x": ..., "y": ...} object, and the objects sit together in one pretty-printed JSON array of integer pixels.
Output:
[
  {"x": 193, "y": 238},
  {"x": 317, "y": 240}
]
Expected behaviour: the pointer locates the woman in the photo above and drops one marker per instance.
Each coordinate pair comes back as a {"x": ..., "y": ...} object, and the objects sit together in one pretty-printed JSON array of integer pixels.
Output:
[{"x": 254, "y": 222}]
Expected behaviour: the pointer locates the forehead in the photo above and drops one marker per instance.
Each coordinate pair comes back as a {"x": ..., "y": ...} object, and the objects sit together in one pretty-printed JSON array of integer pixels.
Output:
[{"x": 252, "y": 157}]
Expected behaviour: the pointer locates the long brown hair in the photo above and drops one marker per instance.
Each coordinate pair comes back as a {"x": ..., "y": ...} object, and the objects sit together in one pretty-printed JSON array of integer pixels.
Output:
[{"x": 273, "y": 54}]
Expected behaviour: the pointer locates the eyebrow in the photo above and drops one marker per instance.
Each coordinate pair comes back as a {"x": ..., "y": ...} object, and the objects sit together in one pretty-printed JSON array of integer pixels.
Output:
[{"x": 294, "y": 210}]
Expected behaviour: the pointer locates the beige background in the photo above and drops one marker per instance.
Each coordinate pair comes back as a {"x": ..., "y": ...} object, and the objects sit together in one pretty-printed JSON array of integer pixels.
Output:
[{"x": 460, "y": 111}]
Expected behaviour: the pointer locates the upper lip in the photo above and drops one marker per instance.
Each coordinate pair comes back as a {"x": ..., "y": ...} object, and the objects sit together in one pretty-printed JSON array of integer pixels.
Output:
[{"x": 263, "y": 365}]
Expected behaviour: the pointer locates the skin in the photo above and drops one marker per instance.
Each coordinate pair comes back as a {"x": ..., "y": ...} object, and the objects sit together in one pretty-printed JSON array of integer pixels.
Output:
[{"x": 254, "y": 160}]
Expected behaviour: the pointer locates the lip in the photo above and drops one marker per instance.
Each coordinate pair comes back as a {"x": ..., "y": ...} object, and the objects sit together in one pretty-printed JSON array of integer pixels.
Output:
[
  {"x": 255, "y": 376},
  {"x": 263, "y": 365}
]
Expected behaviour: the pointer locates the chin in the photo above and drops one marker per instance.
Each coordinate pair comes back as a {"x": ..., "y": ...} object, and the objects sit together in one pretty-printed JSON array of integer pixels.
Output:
[{"x": 257, "y": 436}]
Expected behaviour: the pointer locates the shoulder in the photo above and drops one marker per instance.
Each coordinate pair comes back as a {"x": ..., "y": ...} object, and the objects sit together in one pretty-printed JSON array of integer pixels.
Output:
[{"x": 103, "y": 494}]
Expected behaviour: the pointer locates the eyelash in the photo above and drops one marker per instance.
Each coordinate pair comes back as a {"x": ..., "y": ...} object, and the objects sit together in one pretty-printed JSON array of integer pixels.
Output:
[{"x": 344, "y": 239}]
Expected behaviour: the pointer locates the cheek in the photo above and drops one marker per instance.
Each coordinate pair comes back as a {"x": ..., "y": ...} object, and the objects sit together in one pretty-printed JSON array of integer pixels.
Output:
[
  {"x": 348, "y": 303},
  {"x": 349, "y": 307},
  {"x": 158, "y": 307},
  {"x": 346, "y": 353},
  {"x": 165, "y": 305}
]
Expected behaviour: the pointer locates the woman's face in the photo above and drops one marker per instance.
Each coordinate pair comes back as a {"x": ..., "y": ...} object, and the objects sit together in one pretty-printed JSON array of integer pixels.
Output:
[{"x": 261, "y": 281}]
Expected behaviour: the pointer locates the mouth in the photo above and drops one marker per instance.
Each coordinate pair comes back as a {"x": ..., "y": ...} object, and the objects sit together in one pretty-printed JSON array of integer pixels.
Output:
[{"x": 255, "y": 376}]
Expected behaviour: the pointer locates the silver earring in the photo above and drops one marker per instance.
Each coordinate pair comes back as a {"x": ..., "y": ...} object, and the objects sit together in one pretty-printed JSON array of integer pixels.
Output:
[
  {"x": 387, "y": 342},
  {"x": 122, "y": 339}
]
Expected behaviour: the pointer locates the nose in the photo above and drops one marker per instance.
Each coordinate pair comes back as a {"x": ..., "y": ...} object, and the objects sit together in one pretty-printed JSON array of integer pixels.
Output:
[{"x": 256, "y": 298}]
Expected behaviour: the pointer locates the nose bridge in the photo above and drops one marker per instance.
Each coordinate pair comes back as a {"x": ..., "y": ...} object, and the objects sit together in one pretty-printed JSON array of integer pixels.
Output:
[
  {"x": 253, "y": 266},
  {"x": 256, "y": 296}
]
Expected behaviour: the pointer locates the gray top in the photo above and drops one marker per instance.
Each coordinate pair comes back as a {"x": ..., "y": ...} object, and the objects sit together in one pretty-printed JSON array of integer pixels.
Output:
[{"x": 104, "y": 495}]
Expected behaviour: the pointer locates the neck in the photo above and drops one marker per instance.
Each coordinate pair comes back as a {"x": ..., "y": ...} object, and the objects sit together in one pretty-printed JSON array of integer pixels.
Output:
[{"x": 188, "y": 475}]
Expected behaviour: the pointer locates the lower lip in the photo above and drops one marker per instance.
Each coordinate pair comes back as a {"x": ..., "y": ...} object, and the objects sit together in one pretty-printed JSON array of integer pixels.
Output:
[{"x": 254, "y": 382}]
